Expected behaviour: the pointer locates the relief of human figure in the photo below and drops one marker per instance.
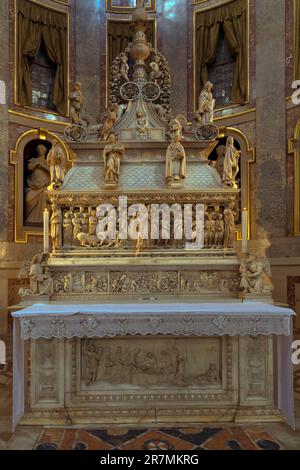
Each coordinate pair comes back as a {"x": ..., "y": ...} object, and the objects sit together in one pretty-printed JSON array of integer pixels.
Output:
[
  {"x": 219, "y": 230},
  {"x": 68, "y": 229},
  {"x": 141, "y": 125},
  {"x": 229, "y": 221},
  {"x": 76, "y": 221},
  {"x": 112, "y": 154},
  {"x": 76, "y": 103},
  {"x": 207, "y": 104},
  {"x": 231, "y": 164},
  {"x": 36, "y": 186},
  {"x": 57, "y": 164},
  {"x": 92, "y": 357},
  {"x": 56, "y": 226},
  {"x": 175, "y": 161},
  {"x": 209, "y": 230}
]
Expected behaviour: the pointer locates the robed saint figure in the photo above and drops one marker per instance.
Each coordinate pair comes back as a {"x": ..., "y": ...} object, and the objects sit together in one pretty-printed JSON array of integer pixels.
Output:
[{"x": 175, "y": 161}]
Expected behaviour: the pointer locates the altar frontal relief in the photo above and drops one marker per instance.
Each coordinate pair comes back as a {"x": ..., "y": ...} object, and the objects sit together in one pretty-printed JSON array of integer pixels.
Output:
[{"x": 155, "y": 363}]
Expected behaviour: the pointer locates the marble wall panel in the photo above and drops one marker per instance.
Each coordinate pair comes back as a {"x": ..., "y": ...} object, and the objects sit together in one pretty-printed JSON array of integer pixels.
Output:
[{"x": 270, "y": 132}]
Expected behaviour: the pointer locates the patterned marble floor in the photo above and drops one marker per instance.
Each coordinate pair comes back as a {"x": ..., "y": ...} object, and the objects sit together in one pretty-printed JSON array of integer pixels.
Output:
[{"x": 231, "y": 437}]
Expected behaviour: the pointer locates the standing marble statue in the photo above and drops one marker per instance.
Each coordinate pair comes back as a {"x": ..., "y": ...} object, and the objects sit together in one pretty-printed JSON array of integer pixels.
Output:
[
  {"x": 229, "y": 222},
  {"x": 76, "y": 103},
  {"x": 207, "y": 104},
  {"x": 57, "y": 163},
  {"x": 109, "y": 121},
  {"x": 112, "y": 154},
  {"x": 175, "y": 161},
  {"x": 36, "y": 186},
  {"x": 56, "y": 227},
  {"x": 231, "y": 164}
]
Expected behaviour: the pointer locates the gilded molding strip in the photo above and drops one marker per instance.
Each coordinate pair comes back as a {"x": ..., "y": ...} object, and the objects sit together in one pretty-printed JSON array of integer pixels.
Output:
[
  {"x": 123, "y": 9},
  {"x": 35, "y": 118},
  {"x": 250, "y": 158}
]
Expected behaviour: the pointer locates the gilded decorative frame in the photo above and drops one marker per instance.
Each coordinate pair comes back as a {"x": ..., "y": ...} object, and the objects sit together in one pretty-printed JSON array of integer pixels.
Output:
[
  {"x": 106, "y": 47},
  {"x": 293, "y": 148},
  {"x": 116, "y": 9},
  {"x": 58, "y": 10},
  {"x": 248, "y": 157},
  {"x": 21, "y": 232},
  {"x": 201, "y": 10}
]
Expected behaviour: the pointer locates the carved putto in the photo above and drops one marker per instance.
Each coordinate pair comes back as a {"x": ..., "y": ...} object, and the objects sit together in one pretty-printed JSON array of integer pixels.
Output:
[
  {"x": 124, "y": 70},
  {"x": 155, "y": 74},
  {"x": 141, "y": 125}
]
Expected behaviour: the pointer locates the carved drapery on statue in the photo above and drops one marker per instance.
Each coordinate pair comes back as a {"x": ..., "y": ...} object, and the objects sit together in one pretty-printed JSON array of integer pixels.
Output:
[
  {"x": 232, "y": 18},
  {"x": 36, "y": 24},
  {"x": 36, "y": 185}
]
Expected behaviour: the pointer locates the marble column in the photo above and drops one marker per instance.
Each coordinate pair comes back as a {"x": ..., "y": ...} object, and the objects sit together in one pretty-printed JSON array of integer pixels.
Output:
[
  {"x": 4, "y": 74},
  {"x": 88, "y": 54},
  {"x": 172, "y": 28},
  {"x": 270, "y": 117}
]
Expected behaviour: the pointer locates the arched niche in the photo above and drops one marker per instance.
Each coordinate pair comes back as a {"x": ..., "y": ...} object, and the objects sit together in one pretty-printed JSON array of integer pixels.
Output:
[
  {"x": 247, "y": 157},
  {"x": 294, "y": 175},
  {"x": 24, "y": 152}
]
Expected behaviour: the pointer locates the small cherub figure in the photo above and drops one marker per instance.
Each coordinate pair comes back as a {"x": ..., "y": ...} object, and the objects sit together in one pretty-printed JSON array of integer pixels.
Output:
[
  {"x": 155, "y": 73},
  {"x": 141, "y": 124},
  {"x": 124, "y": 67}
]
